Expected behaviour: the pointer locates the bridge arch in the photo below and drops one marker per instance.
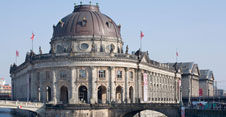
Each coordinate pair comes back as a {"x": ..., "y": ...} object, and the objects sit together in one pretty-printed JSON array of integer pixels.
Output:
[
  {"x": 150, "y": 113},
  {"x": 169, "y": 112}
]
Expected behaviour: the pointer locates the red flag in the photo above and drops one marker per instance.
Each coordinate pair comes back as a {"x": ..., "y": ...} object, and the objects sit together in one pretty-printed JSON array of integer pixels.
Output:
[
  {"x": 32, "y": 37},
  {"x": 17, "y": 53},
  {"x": 141, "y": 35},
  {"x": 177, "y": 54}
]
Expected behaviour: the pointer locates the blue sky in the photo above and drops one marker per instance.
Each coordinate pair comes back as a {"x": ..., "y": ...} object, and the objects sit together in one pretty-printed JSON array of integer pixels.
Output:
[{"x": 197, "y": 28}]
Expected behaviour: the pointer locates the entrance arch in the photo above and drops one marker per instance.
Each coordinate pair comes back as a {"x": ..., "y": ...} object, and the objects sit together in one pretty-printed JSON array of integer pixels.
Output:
[
  {"x": 64, "y": 94},
  {"x": 119, "y": 94},
  {"x": 131, "y": 94},
  {"x": 48, "y": 94},
  {"x": 102, "y": 94},
  {"x": 83, "y": 94}
]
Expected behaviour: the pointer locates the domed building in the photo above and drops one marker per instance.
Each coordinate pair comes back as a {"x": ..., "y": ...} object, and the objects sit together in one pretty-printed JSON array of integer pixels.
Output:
[{"x": 87, "y": 64}]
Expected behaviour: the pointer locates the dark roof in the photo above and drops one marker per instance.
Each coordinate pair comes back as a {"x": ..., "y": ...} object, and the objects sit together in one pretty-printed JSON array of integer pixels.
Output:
[
  {"x": 186, "y": 67},
  {"x": 87, "y": 20},
  {"x": 206, "y": 74}
]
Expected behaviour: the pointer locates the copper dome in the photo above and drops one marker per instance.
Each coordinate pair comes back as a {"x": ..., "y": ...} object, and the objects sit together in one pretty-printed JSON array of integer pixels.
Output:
[{"x": 87, "y": 20}]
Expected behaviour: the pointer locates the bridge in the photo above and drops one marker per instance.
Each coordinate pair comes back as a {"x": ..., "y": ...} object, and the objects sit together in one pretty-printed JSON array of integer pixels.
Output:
[
  {"x": 123, "y": 110},
  {"x": 29, "y": 106},
  {"x": 115, "y": 110},
  {"x": 221, "y": 99}
]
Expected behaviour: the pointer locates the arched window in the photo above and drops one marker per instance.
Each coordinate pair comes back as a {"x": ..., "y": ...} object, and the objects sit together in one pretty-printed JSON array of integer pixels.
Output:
[
  {"x": 48, "y": 94},
  {"x": 119, "y": 94},
  {"x": 131, "y": 94},
  {"x": 102, "y": 94},
  {"x": 83, "y": 94},
  {"x": 60, "y": 49},
  {"x": 64, "y": 94}
]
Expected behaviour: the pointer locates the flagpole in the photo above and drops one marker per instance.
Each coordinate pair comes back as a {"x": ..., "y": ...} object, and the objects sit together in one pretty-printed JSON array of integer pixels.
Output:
[
  {"x": 141, "y": 37},
  {"x": 32, "y": 45},
  {"x": 176, "y": 56},
  {"x": 140, "y": 43},
  {"x": 16, "y": 59}
]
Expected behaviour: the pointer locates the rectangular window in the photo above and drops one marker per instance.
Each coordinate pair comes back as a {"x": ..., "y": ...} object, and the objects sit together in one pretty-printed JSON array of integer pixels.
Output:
[
  {"x": 38, "y": 75},
  {"x": 47, "y": 74},
  {"x": 63, "y": 74},
  {"x": 102, "y": 74},
  {"x": 119, "y": 74},
  {"x": 131, "y": 75},
  {"x": 82, "y": 73}
]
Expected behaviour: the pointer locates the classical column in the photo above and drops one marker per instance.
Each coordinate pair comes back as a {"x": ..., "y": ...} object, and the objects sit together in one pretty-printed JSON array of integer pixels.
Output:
[
  {"x": 126, "y": 95},
  {"x": 94, "y": 89},
  {"x": 54, "y": 87},
  {"x": 112, "y": 85}
]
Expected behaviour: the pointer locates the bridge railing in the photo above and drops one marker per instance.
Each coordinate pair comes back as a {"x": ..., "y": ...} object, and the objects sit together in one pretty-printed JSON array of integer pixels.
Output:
[{"x": 20, "y": 103}]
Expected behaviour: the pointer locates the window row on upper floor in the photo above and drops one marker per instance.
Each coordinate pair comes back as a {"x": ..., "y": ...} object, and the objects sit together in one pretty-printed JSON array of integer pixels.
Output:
[{"x": 83, "y": 74}]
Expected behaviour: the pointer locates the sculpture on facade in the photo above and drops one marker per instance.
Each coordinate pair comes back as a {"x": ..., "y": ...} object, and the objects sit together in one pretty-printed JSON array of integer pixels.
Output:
[
  {"x": 40, "y": 50},
  {"x": 127, "y": 49}
]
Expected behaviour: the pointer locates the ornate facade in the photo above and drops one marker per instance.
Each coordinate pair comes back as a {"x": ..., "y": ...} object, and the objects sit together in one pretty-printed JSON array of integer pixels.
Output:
[{"x": 87, "y": 64}]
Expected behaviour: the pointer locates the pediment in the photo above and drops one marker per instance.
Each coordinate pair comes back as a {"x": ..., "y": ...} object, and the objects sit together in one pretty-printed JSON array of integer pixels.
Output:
[
  {"x": 145, "y": 59},
  {"x": 195, "y": 70}
]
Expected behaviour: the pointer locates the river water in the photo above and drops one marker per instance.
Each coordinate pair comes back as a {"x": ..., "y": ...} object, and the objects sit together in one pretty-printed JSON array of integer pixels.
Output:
[{"x": 6, "y": 113}]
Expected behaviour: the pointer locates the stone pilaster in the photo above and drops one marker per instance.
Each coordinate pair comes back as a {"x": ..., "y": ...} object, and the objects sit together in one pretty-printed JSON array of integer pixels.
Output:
[
  {"x": 54, "y": 87},
  {"x": 75, "y": 93},
  {"x": 32, "y": 87},
  {"x": 94, "y": 91},
  {"x": 126, "y": 95},
  {"x": 139, "y": 85},
  {"x": 27, "y": 86},
  {"x": 40, "y": 89},
  {"x": 73, "y": 89},
  {"x": 112, "y": 85},
  {"x": 149, "y": 84}
]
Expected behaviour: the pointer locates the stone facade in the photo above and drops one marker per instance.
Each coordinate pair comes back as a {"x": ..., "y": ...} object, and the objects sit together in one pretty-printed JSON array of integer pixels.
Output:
[
  {"x": 206, "y": 83},
  {"x": 190, "y": 79},
  {"x": 85, "y": 66},
  {"x": 118, "y": 80}
]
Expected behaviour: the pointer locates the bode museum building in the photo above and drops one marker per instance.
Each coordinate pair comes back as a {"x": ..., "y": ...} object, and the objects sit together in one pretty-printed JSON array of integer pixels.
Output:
[{"x": 87, "y": 64}]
